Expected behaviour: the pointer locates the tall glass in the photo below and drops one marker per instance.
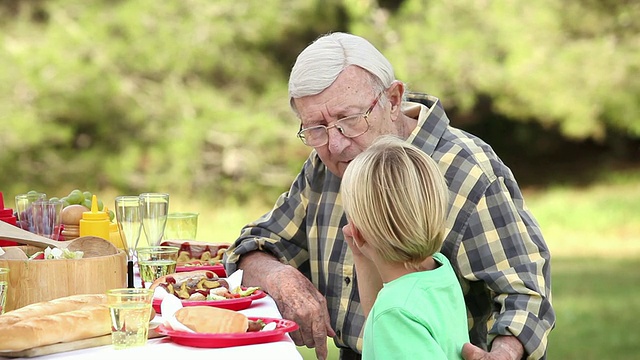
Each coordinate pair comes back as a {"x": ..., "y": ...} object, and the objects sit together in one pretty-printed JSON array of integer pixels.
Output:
[
  {"x": 45, "y": 215},
  {"x": 154, "y": 211},
  {"x": 129, "y": 218}
]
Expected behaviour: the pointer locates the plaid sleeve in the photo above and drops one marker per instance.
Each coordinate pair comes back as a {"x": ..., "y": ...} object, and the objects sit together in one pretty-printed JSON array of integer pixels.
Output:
[
  {"x": 503, "y": 248},
  {"x": 281, "y": 231}
]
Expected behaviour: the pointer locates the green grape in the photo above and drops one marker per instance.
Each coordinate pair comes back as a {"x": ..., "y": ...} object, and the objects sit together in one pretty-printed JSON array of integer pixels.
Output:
[
  {"x": 87, "y": 203},
  {"x": 87, "y": 195},
  {"x": 112, "y": 215},
  {"x": 54, "y": 198},
  {"x": 65, "y": 202},
  {"x": 33, "y": 195},
  {"x": 76, "y": 197},
  {"x": 100, "y": 205}
]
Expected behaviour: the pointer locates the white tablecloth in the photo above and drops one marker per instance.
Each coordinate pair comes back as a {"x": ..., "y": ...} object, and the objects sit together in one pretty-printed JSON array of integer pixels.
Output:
[{"x": 164, "y": 348}]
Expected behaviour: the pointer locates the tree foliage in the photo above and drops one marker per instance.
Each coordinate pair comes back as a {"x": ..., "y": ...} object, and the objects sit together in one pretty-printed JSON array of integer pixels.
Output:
[
  {"x": 571, "y": 64},
  {"x": 190, "y": 96}
]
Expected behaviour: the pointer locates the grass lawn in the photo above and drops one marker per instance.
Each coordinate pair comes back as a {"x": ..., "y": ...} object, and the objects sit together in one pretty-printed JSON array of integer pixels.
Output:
[
  {"x": 594, "y": 235},
  {"x": 597, "y": 302}
]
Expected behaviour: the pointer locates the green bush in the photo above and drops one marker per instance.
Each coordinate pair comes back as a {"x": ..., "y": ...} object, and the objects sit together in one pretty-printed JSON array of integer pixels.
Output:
[{"x": 190, "y": 96}]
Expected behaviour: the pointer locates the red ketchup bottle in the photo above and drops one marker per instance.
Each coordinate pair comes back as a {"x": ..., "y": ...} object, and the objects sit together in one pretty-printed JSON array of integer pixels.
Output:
[{"x": 6, "y": 215}]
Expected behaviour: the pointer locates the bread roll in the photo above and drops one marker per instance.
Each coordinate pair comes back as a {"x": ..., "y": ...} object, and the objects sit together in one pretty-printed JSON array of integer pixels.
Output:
[
  {"x": 212, "y": 320},
  {"x": 68, "y": 303},
  {"x": 90, "y": 321}
]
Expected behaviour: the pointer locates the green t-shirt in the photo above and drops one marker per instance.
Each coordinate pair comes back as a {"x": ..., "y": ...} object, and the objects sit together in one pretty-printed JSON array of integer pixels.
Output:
[{"x": 421, "y": 315}]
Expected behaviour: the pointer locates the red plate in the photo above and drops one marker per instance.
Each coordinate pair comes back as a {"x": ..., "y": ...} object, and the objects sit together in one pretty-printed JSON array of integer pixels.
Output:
[
  {"x": 227, "y": 340},
  {"x": 231, "y": 304},
  {"x": 218, "y": 269}
]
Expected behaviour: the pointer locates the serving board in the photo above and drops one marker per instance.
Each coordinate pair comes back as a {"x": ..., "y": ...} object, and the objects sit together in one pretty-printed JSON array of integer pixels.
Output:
[{"x": 68, "y": 346}]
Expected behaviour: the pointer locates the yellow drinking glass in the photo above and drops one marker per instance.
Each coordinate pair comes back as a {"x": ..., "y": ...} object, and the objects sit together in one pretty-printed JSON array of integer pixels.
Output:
[{"x": 130, "y": 311}]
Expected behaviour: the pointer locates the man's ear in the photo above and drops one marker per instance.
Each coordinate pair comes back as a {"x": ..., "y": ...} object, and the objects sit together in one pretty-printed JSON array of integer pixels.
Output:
[{"x": 394, "y": 93}]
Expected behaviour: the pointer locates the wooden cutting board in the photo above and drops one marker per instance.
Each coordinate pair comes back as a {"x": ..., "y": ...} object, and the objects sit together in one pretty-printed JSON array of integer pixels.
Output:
[{"x": 69, "y": 346}]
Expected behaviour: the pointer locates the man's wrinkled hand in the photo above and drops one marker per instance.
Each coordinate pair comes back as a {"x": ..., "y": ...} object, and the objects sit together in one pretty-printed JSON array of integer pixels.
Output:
[
  {"x": 503, "y": 348},
  {"x": 472, "y": 352},
  {"x": 300, "y": 301}
]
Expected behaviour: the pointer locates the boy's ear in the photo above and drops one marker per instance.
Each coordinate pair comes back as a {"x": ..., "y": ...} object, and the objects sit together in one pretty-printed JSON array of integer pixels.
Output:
[{"x": 357, "y": 237}]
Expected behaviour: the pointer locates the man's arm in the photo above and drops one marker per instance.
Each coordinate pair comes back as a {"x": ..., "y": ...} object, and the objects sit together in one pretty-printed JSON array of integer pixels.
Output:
[
  {"x": 271, "y": 249},
  {"x": 501, "y": 230},
  {"x": 295, "y": 295}
]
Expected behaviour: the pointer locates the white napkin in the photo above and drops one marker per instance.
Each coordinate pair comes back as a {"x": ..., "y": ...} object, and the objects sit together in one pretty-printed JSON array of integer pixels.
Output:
[
  {"x": 235, "y": 279},
  {"x": 168, "y": 307},
  {"x": 159, "y": 293},
  {"x": 1, "y": 251},
  {"x": 270, "y": 326}
]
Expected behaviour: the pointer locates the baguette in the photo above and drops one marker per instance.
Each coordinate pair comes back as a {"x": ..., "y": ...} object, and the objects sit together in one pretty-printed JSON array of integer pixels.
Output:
[
  {"x": 60, "y": 305},
  {"x": 88, "y": 322}
]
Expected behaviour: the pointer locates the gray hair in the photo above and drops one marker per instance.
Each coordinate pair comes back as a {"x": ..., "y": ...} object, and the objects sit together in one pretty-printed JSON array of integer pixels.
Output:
[{"x": 320, "y": 64}]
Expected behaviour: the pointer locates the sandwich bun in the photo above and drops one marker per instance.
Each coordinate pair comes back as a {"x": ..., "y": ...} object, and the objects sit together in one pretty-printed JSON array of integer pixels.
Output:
[{"x": 212, "y": 320}]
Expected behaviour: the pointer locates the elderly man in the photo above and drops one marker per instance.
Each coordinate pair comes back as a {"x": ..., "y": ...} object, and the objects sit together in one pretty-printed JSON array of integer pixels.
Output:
[{"x": 345, "y": 94}]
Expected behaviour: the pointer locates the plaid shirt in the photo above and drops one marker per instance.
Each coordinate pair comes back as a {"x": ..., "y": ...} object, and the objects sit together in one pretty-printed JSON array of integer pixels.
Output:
[{"x": 493, "y": 242}]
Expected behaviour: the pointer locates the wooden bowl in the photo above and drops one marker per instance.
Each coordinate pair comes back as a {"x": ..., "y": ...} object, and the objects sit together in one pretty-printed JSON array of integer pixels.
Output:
[{"x": 32, "y": 281}]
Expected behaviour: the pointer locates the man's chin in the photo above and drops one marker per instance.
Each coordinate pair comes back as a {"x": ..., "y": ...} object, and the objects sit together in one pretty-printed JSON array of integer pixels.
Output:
[{"x": 340, "y": 168}]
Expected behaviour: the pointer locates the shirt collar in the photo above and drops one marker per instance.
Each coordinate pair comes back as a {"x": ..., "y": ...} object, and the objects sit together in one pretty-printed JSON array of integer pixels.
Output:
[{"x": 432, "y": 121}]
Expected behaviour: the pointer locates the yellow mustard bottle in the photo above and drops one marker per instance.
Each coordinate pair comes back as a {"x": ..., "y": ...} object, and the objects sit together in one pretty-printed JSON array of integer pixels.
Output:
[
  {"x": 114, "y": 235},
  {"x": 94, "y": 222}
]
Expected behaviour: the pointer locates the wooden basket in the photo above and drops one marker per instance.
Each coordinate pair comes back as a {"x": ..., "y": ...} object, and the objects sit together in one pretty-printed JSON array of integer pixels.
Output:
[{"x": 32, "y": 281}]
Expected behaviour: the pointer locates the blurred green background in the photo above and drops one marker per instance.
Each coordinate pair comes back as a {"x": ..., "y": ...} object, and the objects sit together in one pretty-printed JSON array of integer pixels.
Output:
[{"x": 190, "y": 98}]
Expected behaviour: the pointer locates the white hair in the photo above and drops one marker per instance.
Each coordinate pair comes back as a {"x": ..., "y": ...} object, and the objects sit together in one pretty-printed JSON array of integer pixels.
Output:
[{"x": 320, "y": 64}]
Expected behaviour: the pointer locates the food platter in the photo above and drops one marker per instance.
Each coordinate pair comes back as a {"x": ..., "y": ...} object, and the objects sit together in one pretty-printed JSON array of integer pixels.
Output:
[
  {"x": 230, "y": 304},
  {"x": 283, "y": 326},
  {"x": 218, "y": 269}
]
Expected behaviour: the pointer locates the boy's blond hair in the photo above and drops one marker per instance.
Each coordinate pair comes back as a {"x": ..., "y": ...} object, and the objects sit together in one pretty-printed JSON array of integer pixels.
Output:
[{"x": 397, "y": 198}]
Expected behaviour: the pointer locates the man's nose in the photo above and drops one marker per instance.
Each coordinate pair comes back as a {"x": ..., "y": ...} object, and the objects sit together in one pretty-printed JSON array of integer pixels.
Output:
[{"x": 337, "y": 142}]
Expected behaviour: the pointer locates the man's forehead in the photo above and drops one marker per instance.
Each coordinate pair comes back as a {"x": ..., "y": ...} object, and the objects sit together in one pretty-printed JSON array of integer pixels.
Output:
[{"x": 344, "y": 94}]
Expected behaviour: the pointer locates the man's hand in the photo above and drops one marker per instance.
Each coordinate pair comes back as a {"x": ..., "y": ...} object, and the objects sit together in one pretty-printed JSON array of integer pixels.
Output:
[
  {"x": 300, "y": 301},
  {"x": 296, "y": 297},
  {"x": 503, "y": 348}
]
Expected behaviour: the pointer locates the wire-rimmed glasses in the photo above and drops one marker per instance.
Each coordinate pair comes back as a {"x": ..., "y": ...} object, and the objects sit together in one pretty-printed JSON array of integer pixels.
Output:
[{"x": 349, "y": 126}]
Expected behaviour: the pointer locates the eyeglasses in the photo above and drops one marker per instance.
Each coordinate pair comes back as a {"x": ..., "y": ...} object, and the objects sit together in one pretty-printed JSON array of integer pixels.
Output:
[{"x": 349, "y": 126}]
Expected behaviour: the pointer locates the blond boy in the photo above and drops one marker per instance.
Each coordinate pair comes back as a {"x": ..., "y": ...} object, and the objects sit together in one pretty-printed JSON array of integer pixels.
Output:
[{"x": 396, "y": 201}]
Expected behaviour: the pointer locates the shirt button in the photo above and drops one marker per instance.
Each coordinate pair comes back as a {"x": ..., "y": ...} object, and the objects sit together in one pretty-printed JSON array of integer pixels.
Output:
[{"x": 347, "y": 280}]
